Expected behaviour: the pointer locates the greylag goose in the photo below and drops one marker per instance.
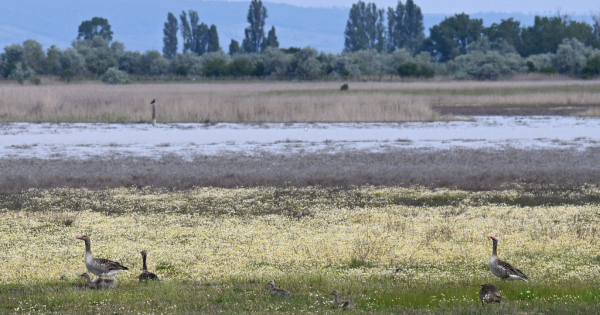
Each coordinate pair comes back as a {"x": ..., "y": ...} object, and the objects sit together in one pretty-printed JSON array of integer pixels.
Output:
[
  {"x": 99, "y": 266},
  {"x": 502, "y": 269},
  {"x": 273, "y": 290},
  {"x": 345, "y": 304},
  {"x": 489, "y": 294},
  {"x": 146, "y": 275},
  {"x": 99, "y": 283}
]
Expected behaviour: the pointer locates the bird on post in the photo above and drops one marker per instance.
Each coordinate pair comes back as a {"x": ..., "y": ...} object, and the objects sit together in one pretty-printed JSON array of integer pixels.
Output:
[{"x": 153, "y": 103}]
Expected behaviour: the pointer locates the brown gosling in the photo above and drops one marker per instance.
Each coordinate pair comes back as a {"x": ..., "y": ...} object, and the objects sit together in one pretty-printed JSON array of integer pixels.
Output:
[
  {"x": 345, "y": 304},
  {"x": 146, "y": 275},
  {"x": 489, "y": 294},
  {"x": 273, "y": 290},
  {"x": 99, "y": 283}
]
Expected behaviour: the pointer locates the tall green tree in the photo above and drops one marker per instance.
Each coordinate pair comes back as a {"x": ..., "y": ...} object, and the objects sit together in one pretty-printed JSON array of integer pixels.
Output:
[
  {"x": 97, "y": 26},
  {"x": 186, "y": 32},
  {"x": 198, "y": 35},
  {"x": 596, "y": 18},
  {"x": 201, "y": 38},
  {"x": 364, "y": 28},
  {"x": 405, "y": 27},
  {"x": 213, "y": 39},
  {"x": 547, "y": 33},
  {"x": 33, "y": 55},
  {"x": 506, "y": 32},
  {"x": 52, "y": 62},
  {"x": 190, "y": 31},
  {"x": 271, "y": 40},
  {"x": 411, "y": 34},
  {"x": 170, "y": 36},
  {"x": 393, "y": 38},
  {"x": 255, "y": 32},
  {"x": 234, "y": 47},
  {"x": 453, "y": 36}
]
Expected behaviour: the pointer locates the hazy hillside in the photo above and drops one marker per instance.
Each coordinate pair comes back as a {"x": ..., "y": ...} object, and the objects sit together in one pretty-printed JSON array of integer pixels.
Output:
[{"x": 138, "y": 23}]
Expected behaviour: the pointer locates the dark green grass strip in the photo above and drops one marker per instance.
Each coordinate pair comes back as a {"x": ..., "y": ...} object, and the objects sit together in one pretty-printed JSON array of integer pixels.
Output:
[{"x": 310, "y": 294}]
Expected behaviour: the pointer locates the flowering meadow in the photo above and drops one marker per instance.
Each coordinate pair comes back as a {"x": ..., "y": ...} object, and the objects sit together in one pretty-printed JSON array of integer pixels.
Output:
[{"x": 385, "y": 248}]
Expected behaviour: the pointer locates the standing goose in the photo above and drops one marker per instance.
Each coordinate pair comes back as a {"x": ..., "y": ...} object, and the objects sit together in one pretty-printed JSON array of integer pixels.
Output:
[
  {"x": 345, "y": 304},
  {"x": 99, "y": 266},
  {"x": 99, "y": 283},
  {"x": 146, "y": 275},
  {"x": 489, "y": 294},
  {"x": 502, "y": 269},
  {"x": 273, "y": 290}
]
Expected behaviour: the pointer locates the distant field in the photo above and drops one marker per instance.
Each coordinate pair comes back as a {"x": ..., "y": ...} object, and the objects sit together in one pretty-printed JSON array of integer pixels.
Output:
[
  {"x": 216, "y": 248},
  {"x": 296, "y": 101}
]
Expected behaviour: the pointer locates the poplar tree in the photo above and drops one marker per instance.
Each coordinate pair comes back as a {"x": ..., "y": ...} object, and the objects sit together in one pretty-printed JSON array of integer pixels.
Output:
[
  {"x": 186, "y": 32},
  {"x": 255, "y": 33},
  {"x": 234, "y": 47},
  {"x": 405, "y": 27},
  {"x": 271, "y": 40},
  {"x": 213, "y": 39},
  {"x": 170, "y": 36},
  {"x": 365, "y": 28}
]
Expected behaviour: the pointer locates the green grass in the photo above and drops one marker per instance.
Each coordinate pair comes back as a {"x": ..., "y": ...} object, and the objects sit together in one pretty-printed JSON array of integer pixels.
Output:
[
  {"x": 310, "y": 294},
  {"x": 291, "y": 201},
  {"x": 467, "y": 91}
]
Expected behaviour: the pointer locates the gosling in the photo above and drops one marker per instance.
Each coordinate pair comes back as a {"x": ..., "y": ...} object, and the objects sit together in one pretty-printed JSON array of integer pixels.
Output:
[
  {"x": 99, "y": 283},
  {"x": 273, "y": 290},
  {"x": 345, "y": 304}
]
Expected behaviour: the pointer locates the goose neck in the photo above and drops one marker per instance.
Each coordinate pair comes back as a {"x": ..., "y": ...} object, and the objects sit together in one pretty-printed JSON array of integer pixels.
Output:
[{"x": 145, "y": 268}]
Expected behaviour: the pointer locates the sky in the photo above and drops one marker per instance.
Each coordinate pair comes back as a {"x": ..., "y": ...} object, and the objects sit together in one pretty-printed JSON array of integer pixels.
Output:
[{"x": 468, "y": 6}]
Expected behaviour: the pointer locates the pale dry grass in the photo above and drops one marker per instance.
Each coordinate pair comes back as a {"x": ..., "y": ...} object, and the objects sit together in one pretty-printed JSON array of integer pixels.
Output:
[
  {"x": 229, "y": 102},
  {"x": 281, "y": 101},
  {"x": 592, "y": 112}
]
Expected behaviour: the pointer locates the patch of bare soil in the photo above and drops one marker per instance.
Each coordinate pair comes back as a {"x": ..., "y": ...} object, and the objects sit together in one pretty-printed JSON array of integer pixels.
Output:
[
  {"x": 515, "y": 109},
  {"x": 471, "y": 169}
]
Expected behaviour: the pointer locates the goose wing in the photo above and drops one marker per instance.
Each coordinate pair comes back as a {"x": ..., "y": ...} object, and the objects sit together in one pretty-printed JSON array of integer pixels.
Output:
[
  {"x": 512, "y": 272},
  {"x": 109, "y": 265}
]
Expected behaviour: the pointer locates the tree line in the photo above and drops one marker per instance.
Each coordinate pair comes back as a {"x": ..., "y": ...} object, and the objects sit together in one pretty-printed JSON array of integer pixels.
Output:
[{"x": 377, "y": 43}]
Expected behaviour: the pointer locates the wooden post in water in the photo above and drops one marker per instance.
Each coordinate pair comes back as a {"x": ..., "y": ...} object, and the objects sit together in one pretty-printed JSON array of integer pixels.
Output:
[{"x": 153, "y": 112}]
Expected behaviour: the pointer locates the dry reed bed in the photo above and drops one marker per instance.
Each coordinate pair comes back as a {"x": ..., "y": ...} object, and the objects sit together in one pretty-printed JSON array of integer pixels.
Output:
[{"x": 277, "y": 101}]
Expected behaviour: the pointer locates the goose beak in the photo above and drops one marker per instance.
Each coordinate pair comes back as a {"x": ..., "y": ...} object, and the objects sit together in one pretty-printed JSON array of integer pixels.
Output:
[{"x": 79, "y": 237}]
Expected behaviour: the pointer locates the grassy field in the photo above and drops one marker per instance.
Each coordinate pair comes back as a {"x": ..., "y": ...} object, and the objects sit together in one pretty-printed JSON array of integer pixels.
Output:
[
  {"x": 215, "y": 249},
  {"x": 295, "y": 102}
]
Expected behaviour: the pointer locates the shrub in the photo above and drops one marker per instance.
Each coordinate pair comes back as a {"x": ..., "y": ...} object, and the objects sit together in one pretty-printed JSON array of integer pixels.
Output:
[
  {"x": 240, "y": 66},
  {"x": 548, "y": 70},
  {"x": 182, "y": 71},
  {"x": 486, "y": 66},
  {"x": 592, "y": 68},
  {"x": 114, "y": 76},
  {"x": 35, "y": 80},
  {"x": 215, "y": 68},
  {"x": 67, "y": 75},
  {"x": 344, "y": 87},
  {"x": 411, "y": 69}
]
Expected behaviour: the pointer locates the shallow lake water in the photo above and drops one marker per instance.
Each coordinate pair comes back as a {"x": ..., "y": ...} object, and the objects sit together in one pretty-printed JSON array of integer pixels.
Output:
[{"x": 83, "y": 140}]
